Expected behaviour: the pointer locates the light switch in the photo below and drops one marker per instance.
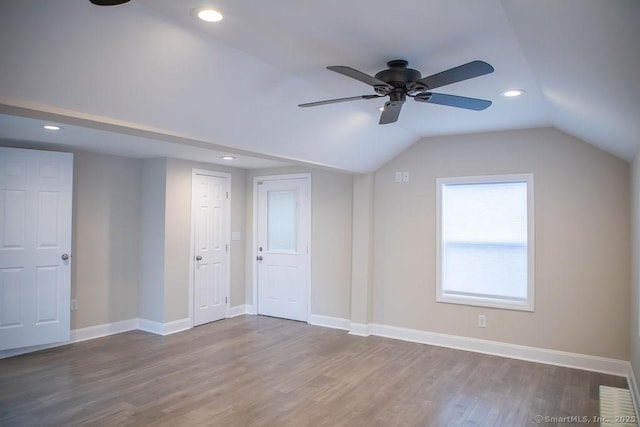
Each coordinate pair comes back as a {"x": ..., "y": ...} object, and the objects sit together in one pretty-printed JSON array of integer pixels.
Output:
[
  {"x": 405, "y": 177},
  {"x": 398, "y": 176}
]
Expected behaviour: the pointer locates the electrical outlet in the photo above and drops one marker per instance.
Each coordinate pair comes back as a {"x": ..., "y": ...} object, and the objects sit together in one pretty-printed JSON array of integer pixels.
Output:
[
  {"x": 405, "y": 176},
  {"x": 74, "y": 304},
  {"x": 482, "y": 321}
]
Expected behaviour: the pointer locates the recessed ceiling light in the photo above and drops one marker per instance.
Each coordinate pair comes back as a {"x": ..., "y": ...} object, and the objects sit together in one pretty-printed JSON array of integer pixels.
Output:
[
  {"x": 209, "y": 15},
  {"x": 381, "y": 108},
  {"x": 51, "y": 127},
  {"x": 228, "y": 158},
  {"x": 512, "y": 92}
]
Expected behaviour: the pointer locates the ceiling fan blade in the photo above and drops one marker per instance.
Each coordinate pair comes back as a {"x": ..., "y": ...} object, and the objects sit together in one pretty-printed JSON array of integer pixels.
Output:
[
  {"x": 457, "y": 74},
  {"x": 333, "y": 101},
  {"x": 359, "y": 75},
  {"x": 391, "y": 112},
  {"x": 453, "y": 101}
]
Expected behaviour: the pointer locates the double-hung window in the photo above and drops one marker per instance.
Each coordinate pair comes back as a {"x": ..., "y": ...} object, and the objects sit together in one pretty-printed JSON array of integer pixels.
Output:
[{"x": 485, "y": 234}]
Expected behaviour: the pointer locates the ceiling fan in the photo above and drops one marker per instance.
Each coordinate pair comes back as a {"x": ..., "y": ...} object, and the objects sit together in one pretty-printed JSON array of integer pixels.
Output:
[{"x": 397, "y": 82}]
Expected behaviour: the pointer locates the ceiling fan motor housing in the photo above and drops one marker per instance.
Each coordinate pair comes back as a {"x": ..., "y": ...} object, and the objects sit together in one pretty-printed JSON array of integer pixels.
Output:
[
  {"x": 398, "y": 75},
  {"x": 108, "y": 2}
]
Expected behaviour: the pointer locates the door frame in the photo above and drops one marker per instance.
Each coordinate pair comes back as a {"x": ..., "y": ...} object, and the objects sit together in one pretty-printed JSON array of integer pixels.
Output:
[
  {"x": 254, "y": 250},
  {"x": 227, "y": 226}
]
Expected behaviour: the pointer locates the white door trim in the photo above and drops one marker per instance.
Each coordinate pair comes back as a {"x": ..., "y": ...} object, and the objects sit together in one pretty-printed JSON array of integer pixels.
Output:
[
  {"x": 254, "y": 250},
  {"x": 227, "y": 226}
]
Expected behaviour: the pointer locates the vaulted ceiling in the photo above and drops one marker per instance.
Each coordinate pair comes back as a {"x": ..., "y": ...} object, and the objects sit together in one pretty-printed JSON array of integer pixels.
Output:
[{"x": 147, "y": 79}]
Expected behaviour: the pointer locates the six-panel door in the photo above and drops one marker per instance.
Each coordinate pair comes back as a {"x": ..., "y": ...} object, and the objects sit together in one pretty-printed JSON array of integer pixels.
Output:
[{"x": 35, "y": 247}]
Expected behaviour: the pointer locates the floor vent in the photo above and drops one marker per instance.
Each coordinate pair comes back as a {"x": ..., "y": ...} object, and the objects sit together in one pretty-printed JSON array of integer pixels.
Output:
[{"x": 616, "y": 407}]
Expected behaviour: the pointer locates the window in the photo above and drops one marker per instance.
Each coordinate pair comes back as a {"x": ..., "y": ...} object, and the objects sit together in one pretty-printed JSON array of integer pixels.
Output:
[
  {"x": 485, "y": 241},
  {"x": 282, "y": 212}
]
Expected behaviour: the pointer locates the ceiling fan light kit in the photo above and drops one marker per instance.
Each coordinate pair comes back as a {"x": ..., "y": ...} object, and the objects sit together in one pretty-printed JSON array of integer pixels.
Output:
[
  {"x": 209, "y": 15},
  {"x": 397, "y": 82},
  {"x": 512, "y": 93}
]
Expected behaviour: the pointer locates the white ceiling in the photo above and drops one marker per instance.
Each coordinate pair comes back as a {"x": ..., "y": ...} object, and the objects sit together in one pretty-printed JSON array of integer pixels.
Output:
[{"x": 146, "y": 79}]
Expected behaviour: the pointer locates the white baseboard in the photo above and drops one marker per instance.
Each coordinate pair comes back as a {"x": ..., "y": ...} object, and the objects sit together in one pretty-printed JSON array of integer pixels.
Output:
[
  {"x": 329, "y": 322},
  {"x": 176, "y": 326},
  {"x": 98, "y": 331},
  {"x": 24, "y": 350},
  {"x": 360, "y": 329},
  {"x": 239, "y": 310},
  {"x": 314, "y": 319},
  {"x": 78, "y": 335},
  {"x": 151, "y": 326},
  {"x": 532, "y": 354},
  {"x": 513, "y": 351},
  {"x": 164, "y": 328}
]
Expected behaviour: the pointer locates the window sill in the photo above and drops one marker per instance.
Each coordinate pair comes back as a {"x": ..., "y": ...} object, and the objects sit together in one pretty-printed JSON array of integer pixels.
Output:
[{"x": 478, "y": 301}]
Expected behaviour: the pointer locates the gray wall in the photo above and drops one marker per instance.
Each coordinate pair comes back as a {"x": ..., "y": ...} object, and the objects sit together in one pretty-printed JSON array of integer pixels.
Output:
[
  {"x": 152, "y": 240},
  {"x": 582, "y": 243},
  {"x": 362, "y": 251},
  {"x": 106, "y": 220}
]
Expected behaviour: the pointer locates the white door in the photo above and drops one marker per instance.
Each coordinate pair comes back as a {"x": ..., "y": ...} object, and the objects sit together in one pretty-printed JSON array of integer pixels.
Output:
[
  {"x": 35, "y": 247},
  {"x": 210, "y": 204},
  {"x": 283, "y": 225}
]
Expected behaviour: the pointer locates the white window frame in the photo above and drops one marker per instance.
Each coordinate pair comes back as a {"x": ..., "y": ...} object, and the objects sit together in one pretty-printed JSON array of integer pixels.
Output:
[{"x": 479, "y": 300}]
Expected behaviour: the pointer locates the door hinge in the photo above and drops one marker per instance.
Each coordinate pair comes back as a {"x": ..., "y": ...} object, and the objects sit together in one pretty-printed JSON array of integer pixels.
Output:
[
  {"x": 260, "y": 182},
  {"x": 227, "y": 194},
  {"x": 226, "y": 247},
  {"x": 226, "y": 300}
]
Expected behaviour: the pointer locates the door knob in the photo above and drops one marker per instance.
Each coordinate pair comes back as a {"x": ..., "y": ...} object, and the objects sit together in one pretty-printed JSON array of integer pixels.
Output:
[
  {"x": 65, "y": 257},
  {"x": 259, "y": 257},
  {"x": 199, "y": 258}
]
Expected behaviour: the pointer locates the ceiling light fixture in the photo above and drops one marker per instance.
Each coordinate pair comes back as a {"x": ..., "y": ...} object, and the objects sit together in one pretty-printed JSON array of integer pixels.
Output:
[
  {"x": 209, "y": 15},
  {"x": 51, "y": 127},
  {"x": 512, "y": 93},
  {"x": 227, "y": 158}
]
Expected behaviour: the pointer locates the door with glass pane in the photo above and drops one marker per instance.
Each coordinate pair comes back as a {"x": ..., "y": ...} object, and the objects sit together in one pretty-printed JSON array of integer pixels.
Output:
[{"x": 283, "y": 247}]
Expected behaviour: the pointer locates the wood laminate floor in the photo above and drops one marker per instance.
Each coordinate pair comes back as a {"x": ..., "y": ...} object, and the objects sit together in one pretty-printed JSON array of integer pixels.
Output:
[{"x": 261, "y": 371}]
